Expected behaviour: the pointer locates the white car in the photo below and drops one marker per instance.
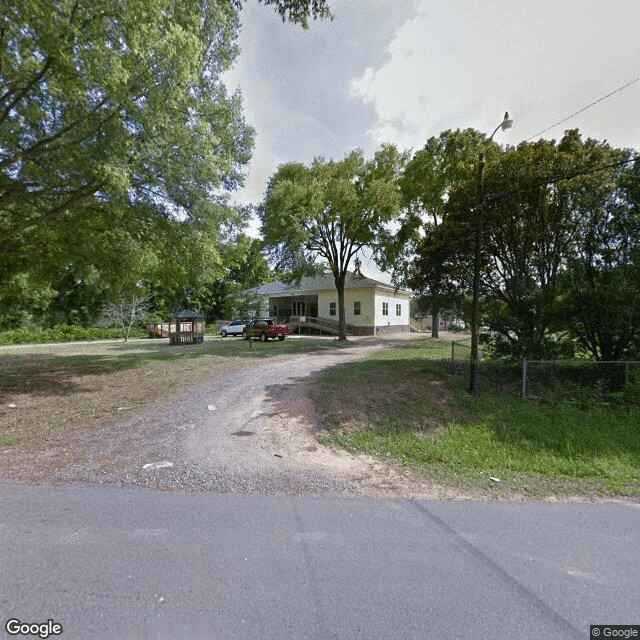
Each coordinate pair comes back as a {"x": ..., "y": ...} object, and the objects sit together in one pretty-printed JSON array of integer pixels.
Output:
[{"x": 234, "y": 328}]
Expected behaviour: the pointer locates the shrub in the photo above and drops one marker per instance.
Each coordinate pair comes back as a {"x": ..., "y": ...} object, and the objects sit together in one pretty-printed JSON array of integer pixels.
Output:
[
  {"x": 553, "y": 347},
  {"x": 65, "y": 333}
]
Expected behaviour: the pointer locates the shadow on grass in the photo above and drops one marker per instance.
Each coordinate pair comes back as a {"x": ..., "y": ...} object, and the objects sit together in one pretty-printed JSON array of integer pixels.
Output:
[
  {"x": 52, "y": 375},
  {"x": 498, "y": 430},
  {"x": 368, "y": 393},
  {"x": 61, "y": 369}
]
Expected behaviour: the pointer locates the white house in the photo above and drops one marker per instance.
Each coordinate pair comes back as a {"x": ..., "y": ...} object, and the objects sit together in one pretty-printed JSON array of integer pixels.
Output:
[{"x": 371, "y": 307}]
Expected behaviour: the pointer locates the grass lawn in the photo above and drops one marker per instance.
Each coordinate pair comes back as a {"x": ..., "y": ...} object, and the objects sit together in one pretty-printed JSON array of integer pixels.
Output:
[
  {"x": 58, "y": 387},
  {"x": 402, "y": 403},
  {"x": 405, "y": 404}
]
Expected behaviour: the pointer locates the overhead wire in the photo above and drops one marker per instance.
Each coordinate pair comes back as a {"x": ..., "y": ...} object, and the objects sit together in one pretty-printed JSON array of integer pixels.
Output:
[
  {"x": 581, "y": 172},
  {"x": 553, "y": 180},
  {"x": 624, "y": 86}
]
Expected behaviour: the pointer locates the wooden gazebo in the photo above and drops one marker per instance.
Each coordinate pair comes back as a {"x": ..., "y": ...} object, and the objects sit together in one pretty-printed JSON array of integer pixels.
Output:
[{"x": 189, "y": 327}]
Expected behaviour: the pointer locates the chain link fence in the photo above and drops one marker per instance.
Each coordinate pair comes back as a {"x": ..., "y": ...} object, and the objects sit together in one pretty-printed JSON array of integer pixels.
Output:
[
  {"x": 580, "y": 379},
  {"x": 460, "y": 357},
  {"x": 505, "y": 376},
  {"x": 573, "y": 380}
]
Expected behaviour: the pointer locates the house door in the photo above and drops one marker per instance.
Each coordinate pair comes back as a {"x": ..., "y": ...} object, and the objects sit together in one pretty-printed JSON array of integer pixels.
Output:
[{"x": 299, "y": 308}]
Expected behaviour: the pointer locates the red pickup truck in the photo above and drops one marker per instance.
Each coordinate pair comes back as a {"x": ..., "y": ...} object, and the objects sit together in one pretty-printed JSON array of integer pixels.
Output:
[{"x": 265, "y": 329}]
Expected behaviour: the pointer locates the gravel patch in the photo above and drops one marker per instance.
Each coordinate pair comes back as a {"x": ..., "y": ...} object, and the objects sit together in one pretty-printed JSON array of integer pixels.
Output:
[{"x": 249, "y": 430}]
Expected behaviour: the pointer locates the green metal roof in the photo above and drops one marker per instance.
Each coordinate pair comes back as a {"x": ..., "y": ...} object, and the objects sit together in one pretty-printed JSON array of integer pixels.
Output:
[{"x": 322, "y": 283}]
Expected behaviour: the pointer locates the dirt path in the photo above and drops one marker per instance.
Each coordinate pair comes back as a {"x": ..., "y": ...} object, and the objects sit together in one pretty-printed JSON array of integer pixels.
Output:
[{"x": 248, "y": 430}]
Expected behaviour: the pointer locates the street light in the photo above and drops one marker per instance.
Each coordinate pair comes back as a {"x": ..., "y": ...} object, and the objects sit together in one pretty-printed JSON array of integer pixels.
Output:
[{"x": 475, "y": 310}]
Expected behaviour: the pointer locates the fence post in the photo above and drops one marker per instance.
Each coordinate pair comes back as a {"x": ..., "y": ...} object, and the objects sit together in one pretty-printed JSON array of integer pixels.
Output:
[
  {"x": 524, "y": 377},
  {"x": 453, "y": 342},
  {"x": 626, "y": 373}
]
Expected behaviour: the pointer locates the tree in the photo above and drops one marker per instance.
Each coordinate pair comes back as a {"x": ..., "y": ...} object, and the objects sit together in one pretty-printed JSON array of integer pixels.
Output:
[
  {"x": 421, "y": 252},
  {"x": 102, "y": 109},
  {"x": 603, "y": 277},
  {"x": 78, "y": 298},
  {"x": 209, "y": 284},
  {"x": 436, "y": 273},
  {"x": 244, "y": 304},
  {"x": 128, "y": 310},
  {"x": 24, "y": 303},
  {"x": 299, "y": 11},
  {"x": 245, "y": 267},
  {"x": 538, "y": 197},
  {"x": 330, "y": 210},
  {"x": 114, "y": 119}
]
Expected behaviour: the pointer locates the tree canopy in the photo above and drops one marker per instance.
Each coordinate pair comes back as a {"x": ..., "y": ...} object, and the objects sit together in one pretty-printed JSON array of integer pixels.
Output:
[
  {"x": 421, "y": 249},
  {"x": 542, "y": 203},
  {"x": 602, "y": 281},
  {"x": 299, "y": 11},
  {"x": 119, "y": 142},
  {"x": 330, "y": 210},
  {"x": 109, "y": 116}
]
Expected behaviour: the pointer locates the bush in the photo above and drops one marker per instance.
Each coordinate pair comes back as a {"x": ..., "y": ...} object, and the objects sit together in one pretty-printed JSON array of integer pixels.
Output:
[
  {"x": 65, "y": 333},
  {"x": 553, "y": 347}
]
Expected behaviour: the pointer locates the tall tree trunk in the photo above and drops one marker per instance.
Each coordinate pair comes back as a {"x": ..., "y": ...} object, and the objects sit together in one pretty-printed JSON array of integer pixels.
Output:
[
  {"x": 342, "y": 318},
  {"x": 435, "y": 321}
]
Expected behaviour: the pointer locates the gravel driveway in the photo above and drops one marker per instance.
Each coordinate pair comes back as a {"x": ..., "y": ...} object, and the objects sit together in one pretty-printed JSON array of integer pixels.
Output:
[{"x": 244, "y": 431}]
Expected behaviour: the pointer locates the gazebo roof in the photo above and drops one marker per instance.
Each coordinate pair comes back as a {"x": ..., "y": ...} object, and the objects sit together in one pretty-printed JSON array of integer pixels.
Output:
[{"x": 187, "y": 314}]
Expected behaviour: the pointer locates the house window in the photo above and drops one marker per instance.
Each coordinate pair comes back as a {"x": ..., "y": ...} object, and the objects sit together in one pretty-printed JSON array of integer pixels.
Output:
[
  {"x": 398, "y": 309},
  {"x": 332, "y": 308},
  {"x": 385, "y": 308},
  {"x": 356, "y": 308}
]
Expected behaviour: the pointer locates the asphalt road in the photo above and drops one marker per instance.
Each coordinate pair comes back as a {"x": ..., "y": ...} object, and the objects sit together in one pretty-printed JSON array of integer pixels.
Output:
[{"x": 119, "y": 564}]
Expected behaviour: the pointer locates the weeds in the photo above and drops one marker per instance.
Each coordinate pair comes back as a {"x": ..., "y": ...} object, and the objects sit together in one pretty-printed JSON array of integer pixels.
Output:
[{"x": 550, "y": 446}]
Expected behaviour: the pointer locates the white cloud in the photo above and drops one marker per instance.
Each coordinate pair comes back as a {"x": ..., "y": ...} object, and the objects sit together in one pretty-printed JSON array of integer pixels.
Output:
[
  {"x": 463, "y": 63},
  {"x": 404, "y": 70},
  {"x": 295, "y": 83}
]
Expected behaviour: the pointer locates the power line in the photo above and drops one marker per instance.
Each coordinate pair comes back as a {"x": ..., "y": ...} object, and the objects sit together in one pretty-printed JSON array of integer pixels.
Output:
[
  {"x": 585, "y": 108},
  {"x": 553, "y": 180}
]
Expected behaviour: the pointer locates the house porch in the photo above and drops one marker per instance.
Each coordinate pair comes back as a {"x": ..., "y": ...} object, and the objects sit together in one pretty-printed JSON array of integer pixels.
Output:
[{"x": 283, "y": 307}]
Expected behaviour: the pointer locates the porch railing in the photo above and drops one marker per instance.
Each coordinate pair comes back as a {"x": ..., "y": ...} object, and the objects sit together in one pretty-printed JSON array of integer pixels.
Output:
[{"x": 323, "y": 324}]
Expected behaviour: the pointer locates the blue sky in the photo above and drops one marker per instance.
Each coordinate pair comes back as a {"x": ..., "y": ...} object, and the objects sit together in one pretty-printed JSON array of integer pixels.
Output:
[{"x": 402, "y": 71}]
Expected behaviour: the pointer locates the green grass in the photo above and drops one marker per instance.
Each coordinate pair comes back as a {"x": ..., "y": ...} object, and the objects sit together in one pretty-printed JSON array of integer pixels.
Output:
[
  {"x": 117, "y": 355},
  {"x": 408, "y": 353},
  {"x": 58, "y": 387},
  {"x": 532, "y": 448}
]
